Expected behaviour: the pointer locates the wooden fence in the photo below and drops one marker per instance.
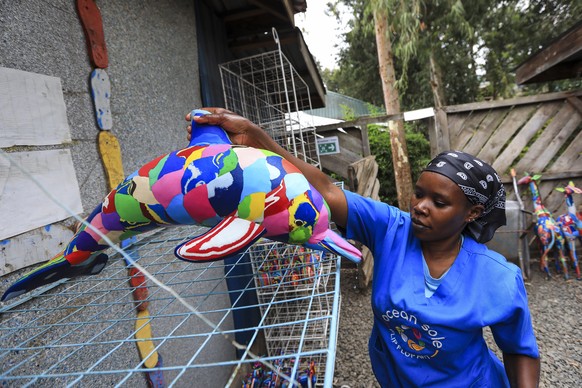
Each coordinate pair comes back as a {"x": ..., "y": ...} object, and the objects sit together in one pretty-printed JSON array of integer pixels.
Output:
[{"x": 540, "y": 134}]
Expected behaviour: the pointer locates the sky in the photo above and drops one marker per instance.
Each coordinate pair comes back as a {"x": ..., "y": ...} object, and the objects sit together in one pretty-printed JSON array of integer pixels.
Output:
[{"x": 321, "y": 32}]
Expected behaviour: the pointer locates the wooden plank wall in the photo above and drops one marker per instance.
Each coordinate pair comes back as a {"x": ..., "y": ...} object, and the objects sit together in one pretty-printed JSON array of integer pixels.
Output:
[
  {"x": 354, "y": 146},
  {"x": 539, "y": 134},
  {"x": 363, "y": 177}
]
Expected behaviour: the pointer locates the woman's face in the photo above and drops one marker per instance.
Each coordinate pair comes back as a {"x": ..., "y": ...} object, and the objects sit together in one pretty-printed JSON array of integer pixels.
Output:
[{"x": 438, "y": 208}]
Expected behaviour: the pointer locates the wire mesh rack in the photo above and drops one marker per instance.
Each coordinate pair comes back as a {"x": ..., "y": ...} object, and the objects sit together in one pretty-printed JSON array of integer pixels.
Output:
[
  {"x": 266, "y": 318},
  {"x": 298, "y": 298},
  {"x": 266, "y": 89},
  {"x": 89, "y": 331}
]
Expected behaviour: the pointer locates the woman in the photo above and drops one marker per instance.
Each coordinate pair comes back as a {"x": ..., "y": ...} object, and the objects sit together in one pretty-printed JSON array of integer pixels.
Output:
[{"x": 435, "y": 285}]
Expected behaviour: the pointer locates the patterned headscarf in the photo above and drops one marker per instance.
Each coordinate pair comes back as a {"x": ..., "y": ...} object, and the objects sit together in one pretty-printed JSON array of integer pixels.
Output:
[{"x": 481, "y": 185}]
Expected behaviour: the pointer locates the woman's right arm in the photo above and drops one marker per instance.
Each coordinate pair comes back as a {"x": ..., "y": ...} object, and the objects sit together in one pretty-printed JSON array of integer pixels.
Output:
[
  {"x": 244, "y": 132},
  {"x": 522, "y": 371}
]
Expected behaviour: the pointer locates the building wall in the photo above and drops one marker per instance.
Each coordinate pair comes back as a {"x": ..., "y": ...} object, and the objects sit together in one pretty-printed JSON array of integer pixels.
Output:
[{"x": 153, "y": 70}]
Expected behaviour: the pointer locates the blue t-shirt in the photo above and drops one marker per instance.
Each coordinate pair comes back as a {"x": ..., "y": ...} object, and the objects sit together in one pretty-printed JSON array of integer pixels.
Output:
[{"x": 438, "y": 341}]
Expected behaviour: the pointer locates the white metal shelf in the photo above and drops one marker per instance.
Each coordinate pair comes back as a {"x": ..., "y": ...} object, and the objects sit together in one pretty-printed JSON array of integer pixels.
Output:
[{"x": 266, "y": 89}]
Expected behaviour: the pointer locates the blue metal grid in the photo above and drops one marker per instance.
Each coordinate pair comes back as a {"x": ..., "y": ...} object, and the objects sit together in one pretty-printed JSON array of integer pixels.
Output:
[{"x": 82, "y": 331}]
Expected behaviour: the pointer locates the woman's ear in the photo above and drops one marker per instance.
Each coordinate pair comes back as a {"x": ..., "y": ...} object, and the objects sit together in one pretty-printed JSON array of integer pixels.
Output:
[{"x": 474, "y": 213}]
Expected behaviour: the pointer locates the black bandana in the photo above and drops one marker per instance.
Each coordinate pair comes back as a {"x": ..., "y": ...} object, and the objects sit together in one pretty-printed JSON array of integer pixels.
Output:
[{"x": 481, "y": 185}]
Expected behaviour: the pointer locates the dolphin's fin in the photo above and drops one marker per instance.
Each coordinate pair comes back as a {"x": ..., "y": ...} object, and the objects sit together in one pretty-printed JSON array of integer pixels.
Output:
[
  {"x": 334, "y": 243},
  {"x": 231, "y": 236},
  {"x": 53, "y": 270}
]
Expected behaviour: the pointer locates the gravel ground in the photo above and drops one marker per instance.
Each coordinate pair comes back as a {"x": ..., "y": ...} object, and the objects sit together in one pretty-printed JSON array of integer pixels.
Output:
[{"x": 556, "y": 311}]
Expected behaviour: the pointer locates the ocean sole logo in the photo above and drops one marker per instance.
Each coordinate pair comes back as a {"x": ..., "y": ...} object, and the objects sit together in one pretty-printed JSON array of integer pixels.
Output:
[{"x": 412, "y": 339}]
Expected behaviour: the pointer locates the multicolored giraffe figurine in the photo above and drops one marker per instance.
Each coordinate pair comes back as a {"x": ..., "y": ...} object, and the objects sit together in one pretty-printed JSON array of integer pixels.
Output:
[
  {"x": 547, "y": 229},
  {"x": 571, "y": 225}
]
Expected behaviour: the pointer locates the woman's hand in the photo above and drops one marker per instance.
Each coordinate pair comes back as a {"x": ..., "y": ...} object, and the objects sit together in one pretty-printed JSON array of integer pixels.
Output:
[
  {"x": 241, "y": 131},
  {"x": 244, "y": 132}
]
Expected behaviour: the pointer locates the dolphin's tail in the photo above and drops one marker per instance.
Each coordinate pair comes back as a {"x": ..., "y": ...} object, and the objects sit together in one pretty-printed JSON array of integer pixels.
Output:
[
  {"x": 53, "y": 270},
  {"x": 334, "y": 243}
]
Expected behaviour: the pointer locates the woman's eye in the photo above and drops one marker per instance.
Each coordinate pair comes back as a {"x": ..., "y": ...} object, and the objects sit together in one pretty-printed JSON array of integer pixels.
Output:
[{"x": 440, "y": 204}]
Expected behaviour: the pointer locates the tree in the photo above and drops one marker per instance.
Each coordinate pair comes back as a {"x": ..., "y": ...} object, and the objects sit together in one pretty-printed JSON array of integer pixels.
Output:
[
  {"x": 421, "y": 50},
  {"x": 402, "y": 175},
  {"x": 510, "y": 31},
  {"x": 406, "y": 20},
  {"x": 357, "y": 74},
  {"x": 451, "y": 51},
  {"x": 472, "y": 47}
]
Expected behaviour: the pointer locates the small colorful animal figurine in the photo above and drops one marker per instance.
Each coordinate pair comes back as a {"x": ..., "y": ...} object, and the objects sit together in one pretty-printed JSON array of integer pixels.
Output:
[
  {"x": 571, "y": 225},
  {"x": 547, "y": 230},
  {"x": 241, "y": 193}
]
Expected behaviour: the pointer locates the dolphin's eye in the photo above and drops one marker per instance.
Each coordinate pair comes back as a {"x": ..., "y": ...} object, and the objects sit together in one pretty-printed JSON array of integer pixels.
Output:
[{"x": 299, "y": 223}]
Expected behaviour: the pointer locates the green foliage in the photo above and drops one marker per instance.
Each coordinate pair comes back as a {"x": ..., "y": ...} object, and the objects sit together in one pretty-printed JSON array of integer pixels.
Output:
[
  {"x": 477, "y": 44},
  {"x": 358, "y": 75},
  {"x": 404, "y": 28},
  {"x": 418, "y": 155},
  {"x": 348, "y": 113},
  {"x": 375, "y": 110},
  {"x": 514, "y": 30}
]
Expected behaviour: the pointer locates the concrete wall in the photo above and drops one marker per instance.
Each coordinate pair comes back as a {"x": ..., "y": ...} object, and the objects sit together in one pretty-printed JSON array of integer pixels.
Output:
[
  {"x": 153, "y": 71},
  {"x": 152, "y": 68}
]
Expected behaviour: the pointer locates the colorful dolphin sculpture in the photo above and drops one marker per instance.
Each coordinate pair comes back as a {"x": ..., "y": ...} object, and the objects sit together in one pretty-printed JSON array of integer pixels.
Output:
[{"x": 241, "y": 193}]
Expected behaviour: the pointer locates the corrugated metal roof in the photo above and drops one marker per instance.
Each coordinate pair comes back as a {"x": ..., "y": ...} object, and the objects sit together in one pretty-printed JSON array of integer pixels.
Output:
[{"x": 335, "y": 104}]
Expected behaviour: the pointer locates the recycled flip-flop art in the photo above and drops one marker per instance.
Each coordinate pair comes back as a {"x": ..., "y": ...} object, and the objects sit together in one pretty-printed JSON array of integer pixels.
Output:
[{"x": 241, "y": 193}]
